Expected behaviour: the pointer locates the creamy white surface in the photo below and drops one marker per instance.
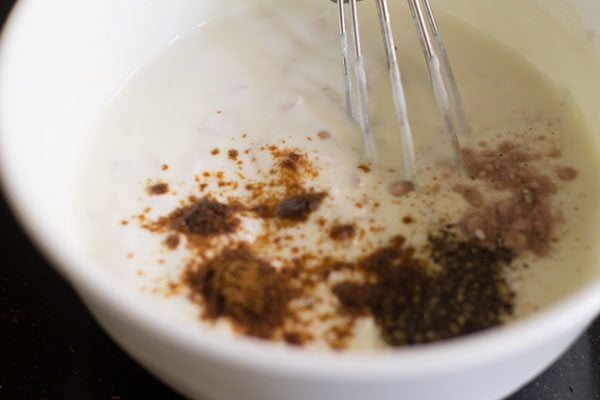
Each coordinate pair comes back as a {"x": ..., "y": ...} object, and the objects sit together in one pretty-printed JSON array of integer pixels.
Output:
[{"x": 274, "y": 74}]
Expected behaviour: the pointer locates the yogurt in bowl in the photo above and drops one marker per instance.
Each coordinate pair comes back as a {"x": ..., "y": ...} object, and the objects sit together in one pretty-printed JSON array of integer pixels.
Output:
[{"x": 244, "y": 126}]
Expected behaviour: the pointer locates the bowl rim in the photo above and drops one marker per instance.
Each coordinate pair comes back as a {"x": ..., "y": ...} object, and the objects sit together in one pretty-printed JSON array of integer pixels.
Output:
[{"x": 97, "y": 287}]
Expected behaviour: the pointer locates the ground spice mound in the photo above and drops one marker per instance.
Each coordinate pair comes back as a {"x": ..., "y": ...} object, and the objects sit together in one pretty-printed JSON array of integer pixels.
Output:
[
  {"x": 364, "y": 168},
  {"x": 298, "y": 292},
  {"x": 172, "y": 241},
  {"x": 507, "y": 167},
  {"x": 519, "y": 223},
  {"x": 324, "y": 135},
  {"x": 413, "y": 302},
  {"x": 299, "y": 207},
  {"x": 342, "y": 232},
  {"x": 205, "y": 217},
  {"x": 522, "y": 221},
  {"x": 232, "y": 154},
  {"x": 290, "y": 161},
  {"x": 400, "y": 188},
  {"x": 157, "y": 189},
  {"x": 281, "y": 193},
  {"x": 566, "y": 173},
  {"x": 238, "y": 285}
]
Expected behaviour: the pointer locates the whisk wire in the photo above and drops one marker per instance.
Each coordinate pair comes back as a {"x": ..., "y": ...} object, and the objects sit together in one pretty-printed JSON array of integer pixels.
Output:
[
  {"x": 345, "y": 60},
  {"x": 456, "y": 100},
  {"x": 444, "y": 85},
  {"x": 440, "y": 83},
  {"x": 397, "y": 91},
  {"x": 361, "y": 82}
]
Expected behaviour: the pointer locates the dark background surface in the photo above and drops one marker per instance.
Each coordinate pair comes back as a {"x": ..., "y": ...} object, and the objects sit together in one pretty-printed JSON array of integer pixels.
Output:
[{"x": 50, "y": 347}]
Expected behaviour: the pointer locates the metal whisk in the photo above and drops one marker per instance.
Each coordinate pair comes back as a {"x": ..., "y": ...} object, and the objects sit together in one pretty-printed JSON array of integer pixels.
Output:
[{"x": 442, "y": 79}]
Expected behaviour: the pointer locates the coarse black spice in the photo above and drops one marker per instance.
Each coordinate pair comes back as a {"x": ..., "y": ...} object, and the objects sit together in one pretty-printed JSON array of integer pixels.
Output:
[{"x": 415, "y": 302}]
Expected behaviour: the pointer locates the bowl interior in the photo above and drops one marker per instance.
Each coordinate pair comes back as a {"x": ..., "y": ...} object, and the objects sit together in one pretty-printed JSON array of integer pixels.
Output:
[{"x": 62, "y": 62}]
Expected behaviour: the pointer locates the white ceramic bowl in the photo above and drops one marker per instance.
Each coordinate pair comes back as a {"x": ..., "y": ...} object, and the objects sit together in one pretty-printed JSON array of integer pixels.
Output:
[{"x": 60, "y": 62}]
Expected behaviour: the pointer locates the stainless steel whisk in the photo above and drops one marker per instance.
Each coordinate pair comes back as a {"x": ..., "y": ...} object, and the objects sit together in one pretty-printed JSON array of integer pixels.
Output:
[{"x": 443, "y": 83}]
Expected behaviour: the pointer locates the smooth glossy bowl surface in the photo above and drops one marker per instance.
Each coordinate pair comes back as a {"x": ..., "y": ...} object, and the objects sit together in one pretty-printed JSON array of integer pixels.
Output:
[{"x": 61, "y": 61}]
